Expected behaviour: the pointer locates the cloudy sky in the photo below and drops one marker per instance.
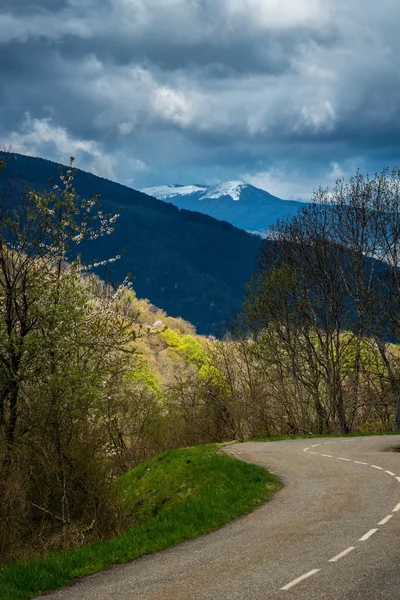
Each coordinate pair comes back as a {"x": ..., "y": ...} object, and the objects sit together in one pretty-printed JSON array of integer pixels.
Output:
[{"x": 286, "y": 94}]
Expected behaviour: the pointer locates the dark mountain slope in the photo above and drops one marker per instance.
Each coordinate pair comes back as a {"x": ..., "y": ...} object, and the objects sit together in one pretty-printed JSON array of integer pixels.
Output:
[{"x": 187, "y": 263}]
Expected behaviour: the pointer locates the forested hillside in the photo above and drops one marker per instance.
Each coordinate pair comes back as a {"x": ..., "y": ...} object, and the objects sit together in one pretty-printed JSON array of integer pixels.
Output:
[
  {"x": 189, "y": 264},
  {"x": 93, "y": 379}
]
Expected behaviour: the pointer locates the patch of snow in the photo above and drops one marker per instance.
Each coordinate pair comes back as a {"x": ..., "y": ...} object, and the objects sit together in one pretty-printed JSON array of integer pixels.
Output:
[
  {"x": 163, "y": 192},
  {"x": 262, "y": 234},
  {"x": 228, "y": 188}
]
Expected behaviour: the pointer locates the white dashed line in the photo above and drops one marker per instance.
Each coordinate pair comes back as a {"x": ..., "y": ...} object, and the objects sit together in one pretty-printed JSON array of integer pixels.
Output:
[
  {"x": 365, "y": 537},
  {"x": 342, "y": 554},
  {"x": 300, "y": 579},
  {"x": 385, "y": 520}
]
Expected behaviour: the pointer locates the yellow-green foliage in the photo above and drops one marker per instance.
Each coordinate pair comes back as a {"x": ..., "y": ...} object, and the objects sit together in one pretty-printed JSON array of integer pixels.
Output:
[
  {"x": 145, "y": 374},
  {"x": 368, "y": 355},
  {"x": 165, "y": 346},
  {"x": 186, "y": 346},
  {"x": 211, "y": 375}
]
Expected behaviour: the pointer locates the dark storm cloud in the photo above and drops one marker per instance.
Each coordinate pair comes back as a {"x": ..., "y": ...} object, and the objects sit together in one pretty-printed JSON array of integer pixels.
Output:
[
  {"x": 177, "y": 90},
  {"x": 25, "y": 7}
]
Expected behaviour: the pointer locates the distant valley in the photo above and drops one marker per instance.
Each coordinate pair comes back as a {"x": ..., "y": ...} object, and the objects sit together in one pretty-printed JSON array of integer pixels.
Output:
[{"x": 238, "y": 203}]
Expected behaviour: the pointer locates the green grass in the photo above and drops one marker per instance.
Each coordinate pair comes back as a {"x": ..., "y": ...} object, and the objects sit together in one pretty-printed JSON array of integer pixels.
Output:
[{"x": 173, "y": 497}]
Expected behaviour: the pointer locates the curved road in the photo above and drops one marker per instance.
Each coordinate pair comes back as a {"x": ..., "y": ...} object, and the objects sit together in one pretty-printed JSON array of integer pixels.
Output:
[{"x": 332, "y": 533}]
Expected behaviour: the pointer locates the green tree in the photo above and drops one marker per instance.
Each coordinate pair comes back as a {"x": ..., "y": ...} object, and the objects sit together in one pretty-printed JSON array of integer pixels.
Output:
[{"x": 65, "y": 349}]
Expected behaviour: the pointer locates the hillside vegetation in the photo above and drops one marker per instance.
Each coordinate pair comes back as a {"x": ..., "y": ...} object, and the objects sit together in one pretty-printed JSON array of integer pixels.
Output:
[{"x": 95, "y": 380}]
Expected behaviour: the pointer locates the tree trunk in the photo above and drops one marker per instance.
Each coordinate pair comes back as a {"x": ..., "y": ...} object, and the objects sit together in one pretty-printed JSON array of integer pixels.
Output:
[
  {"x": 397, "y": 419},
  {"x": 12, "y": 424}
]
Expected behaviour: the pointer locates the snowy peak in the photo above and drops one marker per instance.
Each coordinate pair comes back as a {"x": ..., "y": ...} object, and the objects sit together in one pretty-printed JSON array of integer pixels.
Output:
[
  {"x": 162, "y": 192},
  {"x": 229, "y": 188},
  {"x": 239, "y": 203}
]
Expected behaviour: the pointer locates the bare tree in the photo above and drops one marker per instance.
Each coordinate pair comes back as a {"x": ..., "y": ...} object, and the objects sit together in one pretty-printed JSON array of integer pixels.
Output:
[{"x": 327, "y": 285}]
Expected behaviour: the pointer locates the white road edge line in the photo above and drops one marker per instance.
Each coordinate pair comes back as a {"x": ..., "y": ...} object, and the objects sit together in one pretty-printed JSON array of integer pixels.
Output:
[
  {"x": 342, "y": 554},
  {"x": 300, "y": 579},
  {"x": 315, "y": 445},
  {"x": 305, "y": 449},
  {"x": 346, "y": 459},
  {"x": 385, "y": 520},
  {"x": 396, "y": 508},
  {"x": 327, "y": 455},
  {"x": 398, "y": 479},
  {"x": 358, "y": 462},
  {"x": 390, "y": 473},
  {"x": 367, "y": 535},
  {"x": 313, "y": 453},
  {"x": 376, "y": 467}
]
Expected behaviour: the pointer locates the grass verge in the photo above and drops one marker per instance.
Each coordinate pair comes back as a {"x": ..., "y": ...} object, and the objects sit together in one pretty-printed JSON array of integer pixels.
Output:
[{"x": 173, "y": 497}]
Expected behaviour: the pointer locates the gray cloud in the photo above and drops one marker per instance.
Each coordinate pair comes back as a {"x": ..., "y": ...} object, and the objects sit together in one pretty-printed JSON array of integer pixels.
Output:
[{"x": 154, "y": 91}]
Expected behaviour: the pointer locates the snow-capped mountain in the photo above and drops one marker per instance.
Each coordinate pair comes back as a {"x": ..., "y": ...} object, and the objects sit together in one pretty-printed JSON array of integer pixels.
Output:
[{"x": 239, "y": 203}]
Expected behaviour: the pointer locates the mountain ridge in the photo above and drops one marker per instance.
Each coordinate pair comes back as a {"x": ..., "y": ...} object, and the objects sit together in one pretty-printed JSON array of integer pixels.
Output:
[{"x": 239, "y": 203}]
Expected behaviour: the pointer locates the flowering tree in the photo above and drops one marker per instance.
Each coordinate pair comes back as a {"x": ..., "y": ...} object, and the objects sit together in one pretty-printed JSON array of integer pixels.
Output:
[{"x": 64, "y": 352}]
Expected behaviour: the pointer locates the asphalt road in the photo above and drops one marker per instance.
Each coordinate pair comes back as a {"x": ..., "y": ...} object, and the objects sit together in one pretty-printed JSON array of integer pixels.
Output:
[{"x": 332, "y": 533}]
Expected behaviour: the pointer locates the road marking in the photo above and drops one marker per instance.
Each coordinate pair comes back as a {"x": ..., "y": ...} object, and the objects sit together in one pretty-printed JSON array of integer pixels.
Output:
[
  {"x": 300, "y": 579},
  {"x": 313, "y": 453},
  {"x": 385, "y": 520},
  {"x": 342, "y": 554},
  {"x": 367, "y": 535}
]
